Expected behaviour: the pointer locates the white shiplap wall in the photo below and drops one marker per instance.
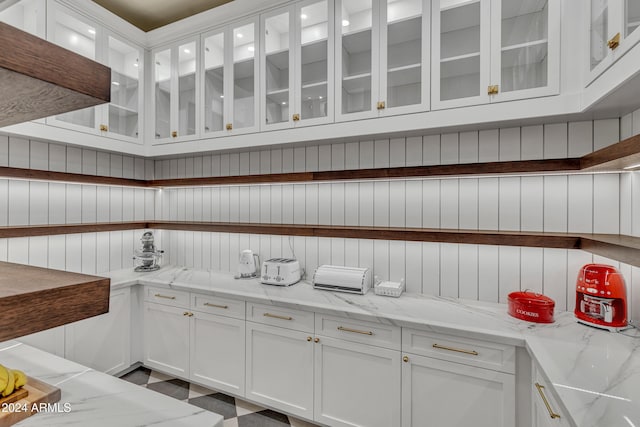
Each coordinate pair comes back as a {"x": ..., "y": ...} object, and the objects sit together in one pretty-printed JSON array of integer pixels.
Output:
[
  {"x": 30, "y": 202},
  {"x": 599, "y": 203}
]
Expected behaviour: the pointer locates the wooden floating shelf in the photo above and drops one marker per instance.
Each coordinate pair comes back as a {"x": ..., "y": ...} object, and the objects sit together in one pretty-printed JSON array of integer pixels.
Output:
[
  {"x": 619, "y": 247},
  {"x": 43, "y": 175},
  {"x": 33, "y": 299},
  {"x": 40, "y": 79}
]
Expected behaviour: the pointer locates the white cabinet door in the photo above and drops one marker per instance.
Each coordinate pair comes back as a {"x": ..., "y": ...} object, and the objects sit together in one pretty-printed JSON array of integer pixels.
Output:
[
  {"x": 102, "y": 342},
  {"x": 217, "y": 346},
  {"x": 280, "y": 368},
  {"x": 166, "y": 337},
  {"x": 356, "y": 384},
  {"x": 446, "y": 394},
  {"x": 545, "y": 411},
  {"x": 51, "y": 340}
]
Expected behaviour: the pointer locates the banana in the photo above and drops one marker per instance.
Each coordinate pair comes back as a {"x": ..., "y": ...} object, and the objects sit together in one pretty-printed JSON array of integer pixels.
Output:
[
  {"x": 4, "y": 377},
  {"x": 21, "y": 378},
  {"x": 10, "y": 384}
]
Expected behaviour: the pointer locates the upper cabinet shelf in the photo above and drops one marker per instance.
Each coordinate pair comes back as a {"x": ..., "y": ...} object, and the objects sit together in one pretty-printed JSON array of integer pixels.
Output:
[{"x": 39, "y": 79}]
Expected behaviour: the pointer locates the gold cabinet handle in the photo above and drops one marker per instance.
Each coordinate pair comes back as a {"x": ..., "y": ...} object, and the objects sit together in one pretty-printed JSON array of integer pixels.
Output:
[
  {"x": 493, "y": 89},
  {"x": 174, "y": 134},
  {"x": 552, "y": 414},
  {"x": 296, "y": 117},
  {"x": 317, "y": 340},
  {"x": 614, "y": 42},
  {"x": 276, "y": 316},
  {"x": 229, "y": 126},
  {"x": 187, "y": 313},
  {"x": 405, "y": 359},
  {"x": 309, "y": 339},
  {"x": 208, "y": 304},
  {"x": 381, "y": 105},
  {"x": 459, "y": 350},
  {"x": 164, "y": 296},
  {"x": 355, "y": 331},
  {"x": 104, "y": 128}
]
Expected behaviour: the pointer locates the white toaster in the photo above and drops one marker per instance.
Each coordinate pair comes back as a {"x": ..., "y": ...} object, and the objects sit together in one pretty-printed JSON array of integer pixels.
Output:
[{"x": 280, "y": 271}]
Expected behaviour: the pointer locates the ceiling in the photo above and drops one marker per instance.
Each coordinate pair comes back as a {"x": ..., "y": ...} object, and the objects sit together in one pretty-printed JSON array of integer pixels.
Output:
[{"x": 151, "y": 14}]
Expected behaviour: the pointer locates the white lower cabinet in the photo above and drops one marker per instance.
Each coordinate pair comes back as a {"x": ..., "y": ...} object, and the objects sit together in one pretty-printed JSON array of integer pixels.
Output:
[
  {"x": 50, "y": 340},
  {"x": 545, "y": 410},
  {"x": 356, "y": 384},
  {"x": 166, "y": 335},
  {"x": 103, "y": 342},
  {"x": 280, "y": 368}
]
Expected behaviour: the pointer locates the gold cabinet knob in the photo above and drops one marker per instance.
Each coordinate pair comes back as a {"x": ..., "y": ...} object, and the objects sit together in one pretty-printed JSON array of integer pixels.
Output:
[
  {"x": 614, "y": 42},
  {"x": 309, "y": 339},
  {"x": 186, "y": 313},
  {"x": 104, "y": 128},
  {"x": 174, "y": 134},
  {"x": 229, "y": 126},
  {"x": 317, "y": 340},
  {"x": 493, "y": 89},
  {"x": 296, "y": 117},
  {"x": 405, "y": 359},
  {"x": 381, "y": 105}
]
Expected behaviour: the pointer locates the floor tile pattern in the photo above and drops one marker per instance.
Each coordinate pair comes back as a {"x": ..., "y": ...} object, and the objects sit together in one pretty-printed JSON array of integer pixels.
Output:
[{"x": 236, "y": 412}]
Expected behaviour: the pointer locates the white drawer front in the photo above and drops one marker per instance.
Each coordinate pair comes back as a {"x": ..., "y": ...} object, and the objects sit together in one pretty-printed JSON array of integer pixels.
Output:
[
  {"x": 281, "y": 316},
  {"x": 484, "y": 354},
  {"x": 361, "y": 331},
  {"x": 217, "y": 305},
  {"x": 167, "y": 297}
]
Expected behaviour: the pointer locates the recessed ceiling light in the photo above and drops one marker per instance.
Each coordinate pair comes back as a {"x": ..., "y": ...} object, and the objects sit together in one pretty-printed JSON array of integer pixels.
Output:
[
  {"x": 251, "y": 48},
  {"x": 239, "y": 35},
  {"x": 186, "y": 51},
  {"x": 303, "y": 16},
  {"x": 115, "y": 83},
  {"x": 345, "y": 23},
  {"x": 91, "y": 31},
  {"x": 320, "y": 97},
  {"x": 284, "y": 103},
  {"x": 221, "y": 96},
  {"x": 633, "y": 166}
]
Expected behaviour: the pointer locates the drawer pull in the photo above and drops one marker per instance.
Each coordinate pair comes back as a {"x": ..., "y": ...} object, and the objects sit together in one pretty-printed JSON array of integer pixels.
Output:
[
  {"x": 208, "y": 304},
  {"x": 164, "y": 296},
  {"x": 276, "y": 316},
  {"x": 188, "y": 314},
  {"x": 552, "y": 414},
  {"x": 459, "y": 350},
  {"x": 355, "y": 331}
]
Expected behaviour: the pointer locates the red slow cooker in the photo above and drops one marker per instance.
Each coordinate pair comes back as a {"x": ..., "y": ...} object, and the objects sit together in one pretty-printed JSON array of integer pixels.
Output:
[{"x": 531, "y": 307}]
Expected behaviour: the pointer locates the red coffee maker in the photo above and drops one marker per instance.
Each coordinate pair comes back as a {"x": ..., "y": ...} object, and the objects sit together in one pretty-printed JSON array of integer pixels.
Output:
[{"x": 601, "y": 297}]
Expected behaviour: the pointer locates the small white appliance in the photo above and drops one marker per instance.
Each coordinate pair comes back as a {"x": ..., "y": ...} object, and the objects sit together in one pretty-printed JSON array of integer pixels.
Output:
[
  {"x": 344, "y": 279},
  {"x": 280, "y": 272},
  {"x": 248, "y": 264}
]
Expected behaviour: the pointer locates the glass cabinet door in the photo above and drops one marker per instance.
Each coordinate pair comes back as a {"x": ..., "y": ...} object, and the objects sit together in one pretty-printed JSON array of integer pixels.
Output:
[
  {"x": 27, "y": 15},
  {"x": 404, "y": 38},
  {"x": 277, "y": 69},
  {"x": 162, "y": 93},
  {"x": 631, "y": 16},
  {"x": 187, "y": 89},
  {"x": 461, "y": 56},
  {"x": 358, "y": 46},
  {"x": 314, "y": 89},
  {"x": 214, "y": 106},
  {"x": 244, "y": 109},
  {"x": 599, "y": 32},
  {"x": 126, "y": 69}
]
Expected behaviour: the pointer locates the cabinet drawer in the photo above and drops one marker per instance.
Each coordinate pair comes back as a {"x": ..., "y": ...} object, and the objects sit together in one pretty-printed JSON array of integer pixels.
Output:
[
  {"x": 280, "y": 316},
  {"x": 166, "y": 297},
  {"x": 217, "y": 305},
  {"x": 361, "y": 331},
  {"x": 484, "y": 354}
]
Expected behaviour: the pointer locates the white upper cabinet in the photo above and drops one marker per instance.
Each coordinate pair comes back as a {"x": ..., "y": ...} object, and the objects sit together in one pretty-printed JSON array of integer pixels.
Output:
[
  {"x": 122, "y": 118},
  {"x": 230, "y": 80},
  {"x": 613, "y": 31},
  {"x": 176, "y": 91},
  {"x": 27, "y": 15},
  {"x": 493, "y": 50},
  {"x": 297, "y": 65}
]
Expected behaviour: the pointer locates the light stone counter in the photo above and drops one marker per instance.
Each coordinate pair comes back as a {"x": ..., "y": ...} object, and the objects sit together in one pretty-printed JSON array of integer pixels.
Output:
[
  {"x": 595, "y": 374},
  {"x": 97, "y": 399}
]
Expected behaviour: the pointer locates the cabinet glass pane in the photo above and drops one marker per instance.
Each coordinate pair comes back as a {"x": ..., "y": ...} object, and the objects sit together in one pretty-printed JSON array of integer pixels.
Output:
[
  {"x": 187, "y": 89},
  {"x": 123, "y": 111},
  {"x": 276, "y": 50},
  {"x": 314, "y": 69},
  {"x": 24, "y": 15},
  {"x": 162, "y": 62},
  {"x": 214, "y": 83},
  {"x": 404, "y": 52},
  {"x": 79, "y": 37},
  {"x": 631, "y": 15},
  {"x": 356, "y": 55},
  {"x": 460, "y": 51},
  {"x": 243, "y": 76},
  {"x": 524, "y": 44},
  {"x": 599, "y": 31}
]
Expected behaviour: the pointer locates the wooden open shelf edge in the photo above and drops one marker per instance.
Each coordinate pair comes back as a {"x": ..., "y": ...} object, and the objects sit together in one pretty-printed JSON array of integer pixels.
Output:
[
  {"x": 619, "y": 247},
  {"x": 42, "y": 175}
]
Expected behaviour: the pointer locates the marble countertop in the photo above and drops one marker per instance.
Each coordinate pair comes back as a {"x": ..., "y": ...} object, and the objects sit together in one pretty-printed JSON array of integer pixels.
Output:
[
  {"x": 595, "y": 374},
  {"x": 98, "y": 399}
]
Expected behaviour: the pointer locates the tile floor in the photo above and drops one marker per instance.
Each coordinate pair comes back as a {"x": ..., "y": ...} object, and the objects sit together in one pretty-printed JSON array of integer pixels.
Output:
[{"x": 236, "y": 412}]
